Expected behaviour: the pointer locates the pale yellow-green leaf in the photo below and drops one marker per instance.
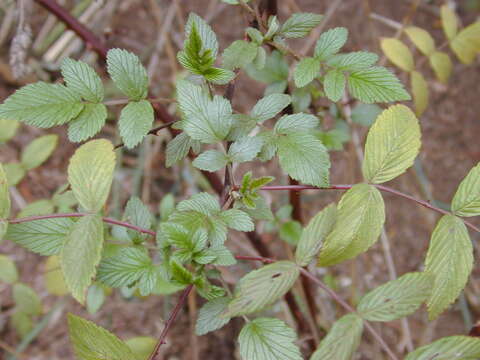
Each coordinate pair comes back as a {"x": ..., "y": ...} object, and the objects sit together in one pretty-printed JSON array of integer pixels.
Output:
[
  {"x": 397, "y": 298},
  {"x": 38, "y": 151},
  {"x": 15, "y": 173},
  {"x": 313, "y": 235},
  {"x": 398, "y": 53},
  {"x": 392, "y": 145},
  {"x": 466, "y": 201},
  {"x": 39, "y": 207},
  {"x": 360, "y": 219},
  {"x": 81, "y": 254},
  {"x": 342, "y": 340},
  {"x": 450, "y": 260},
  {"x": 26, "y": 299},
  {"x": 3, "y": 229},
  {"x": 53, "y": 277},
  {"x": 422, "y": 39},
  {"x": 441, "y": 65},
  {"x": 9, "y": 129},
  {"x": 90, "y": 173},
  {"x": 448, "y": 348},
  {"x": 141, "y": 346},
  {"x": 4, "y": 195},
  {"x": 22, "y": 323},
  {"x": 466, "y": 45},
  {"x": 8, "y": 270},
  {"x": 92, "y": 342},
  {"x": 449, "y": 21},
  {"x": 420, "y": 92}
]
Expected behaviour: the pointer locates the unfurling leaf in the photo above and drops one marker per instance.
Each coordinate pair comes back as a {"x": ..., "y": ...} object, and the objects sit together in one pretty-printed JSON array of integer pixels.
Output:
[
  {"x": 420, "y": 92},
  {"x": 397, "y": 298},
  {"x": 398, "y": 53},
  {"x": 466, "y": 201},
  {"x": 451, "y": 347},
  {"x": 128, "y": 73},
  {"x": 260, "y": 288},
  {"x": 91, "y": 342},
  {"x": 313, "y": 235},
  {"x": 360, "y": 218},
  {"x": 449, "y": 260},
  {"x": 392, "y": 144},
  {"x": 268, "y": 339},
  {"x": 90, "y": 173},
  {"x": 81, "y": 254},
  {"x": 342, "y": 340}
]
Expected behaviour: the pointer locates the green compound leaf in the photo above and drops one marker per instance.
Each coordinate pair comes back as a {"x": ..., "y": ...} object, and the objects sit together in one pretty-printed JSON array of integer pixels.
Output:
[
  {"x": 360, "y": 218},
  {"x": 307, "y": 69},
  {"x": 353, "y": 61},
  {"x": 206, "y": 120},
  {"x": 4, "y": 195},
  {"x": 269, "y": 106},
  {"x": 304, "y": 158},
  {"x": 38, "y": 151},
  {"x": 451, "y": 347},
  {"x": 342, "y": 340},
  {"x": 42, "y": 105},
  {"x": 211, "y": 160},
  {"x": 422, "y": 39},
  {"x": 397, "y": 298},
  {"x": 393, "y": 143},
  {"x": 44, "y": 236},
  {"x": 239, "y": 54},
  {"x": 398, "y": 53},
  {"x": 245, "y": 149},
  {"x": 91, "y": 342},
  {"x": 128, "y": 73},
  {"x": 8, "y": 270},
  {"x": 135, "y": 122},
  {"x": 268, "y": 339},
  {"x": 330, "y": 42},
  {"x": 449, "y": 260},
  {"x": 334, "y": 85},
  {"x": 466, "y": 201},
  {"x": 237, "y": 219},
  {"x": 209, "y": 316},
  {"x": 9, "y": 129},
  {"x": 262, "y": 287},
  {"x": 81, "y": 254},
  {"x": 88, "y": 123},
  {"x": 313, "y": 235},
  {"x": 83, "y": 80},
  {"x": 300, "y": 24},
  {"x": 90, "y": 173},
  {"x": 376, "y": 84}
]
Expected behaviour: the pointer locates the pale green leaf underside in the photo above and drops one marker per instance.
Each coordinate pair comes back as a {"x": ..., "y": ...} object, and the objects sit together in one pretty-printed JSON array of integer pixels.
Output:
[
  {"x": 360, "y": 218},
  {"x": 306, "y": 70},
  {"x": 178, "y": 148},
  {"x": 466, "y": 201},
  {"x": 88, "y": 123},
  {"x": 392, "y": 145},
  {"x": 300, "y": 24},
  {"x": 135, "y": 122},
  {"x": 449, "y": 348},
  {"x": 81, "y": 254},
  {"x": 245, "y": 149},
  {"x": 92, "y": 342},
  {"x": 44, "y": 237},
  {"x": 269, "y": 106},
  {"x": 209, "y": 39},
  {"x": 397, "y": 298},
  {"x": 90, "y": 173},
  {"x": 334, "y": 85},
  {"x": 42, "y": 105},
  {"x": 239, "y": 54},
  {"x": 210, "y": 160},
  {"x": 450, "y": 261},
  {"x": 330, "y": 42},
  {"x": 82, "y": 78},
  {"x": 128, "y": 73},
  {"x": 342, "y": 340},
  {"x": 209, "y": 317},
  {"x": 268, "y": 339},
  {"x": 38, "y": 151},
  {"x": 313, "y": 235},
  {"x": 262, "y": 287}
]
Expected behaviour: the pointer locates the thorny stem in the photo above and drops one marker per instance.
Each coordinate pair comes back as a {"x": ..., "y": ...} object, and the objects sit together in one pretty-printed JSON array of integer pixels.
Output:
[{"x": 171, "y": 319}]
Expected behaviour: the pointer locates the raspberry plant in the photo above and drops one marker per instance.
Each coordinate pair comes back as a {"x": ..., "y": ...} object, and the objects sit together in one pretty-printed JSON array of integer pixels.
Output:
[{"x": 183, "y": 249}]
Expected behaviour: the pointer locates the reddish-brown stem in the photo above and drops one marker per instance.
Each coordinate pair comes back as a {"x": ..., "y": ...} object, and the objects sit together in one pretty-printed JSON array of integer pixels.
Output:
[
  {"x": 171, "y": 319},
  {"x": 379, "y": 187}
]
